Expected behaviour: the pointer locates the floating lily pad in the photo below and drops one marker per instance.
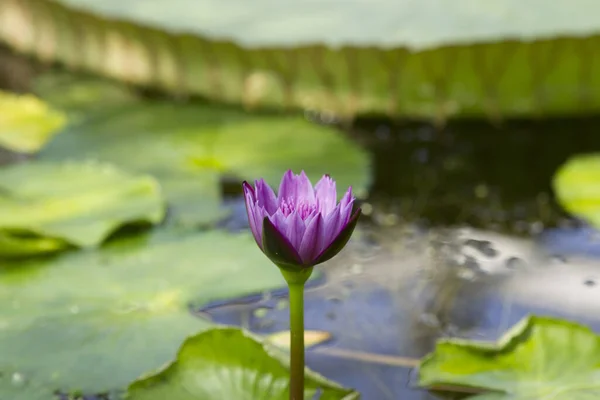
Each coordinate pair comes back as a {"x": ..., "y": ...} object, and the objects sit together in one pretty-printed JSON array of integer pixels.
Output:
[
  {"x": 189, "y": 148},
  {"x": 577, "y": 187},
  {"x": 27, "y": 123},
  {"x": 227, "y": 363},
  {"x": 92, "y": 321},
  {"x": 539, "y": 358},
  {"x": 74, "y": 203}
]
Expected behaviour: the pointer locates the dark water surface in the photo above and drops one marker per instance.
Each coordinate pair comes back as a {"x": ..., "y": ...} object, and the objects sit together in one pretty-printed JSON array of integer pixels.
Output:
[{"x": 473, "y": 172}]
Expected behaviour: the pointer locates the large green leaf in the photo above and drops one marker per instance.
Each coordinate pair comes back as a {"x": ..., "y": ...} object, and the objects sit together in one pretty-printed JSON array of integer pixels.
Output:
[
  {"x": 27, "y": 123},
  {"x": 227, "y": 363},
  {"x": 77, "y": 203},
  {"x": 190, "y": 148},
  {"x": 97, "y": 320},
  {"x": 539, "y": 358},
  {"x": 431, "y": 59},
  {"x": 577, "y": 187}
]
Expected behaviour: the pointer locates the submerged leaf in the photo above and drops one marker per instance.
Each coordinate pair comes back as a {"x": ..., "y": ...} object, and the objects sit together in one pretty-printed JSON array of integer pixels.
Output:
[
  {"x": 538, "y": 358},
  {"x": 76, "y": 203},
  {"x": 311, "y": 338},
  {"x": 93, "y": 321},
  {"x": 27, "y": 123},
  {"x": 228, "y": 363}
]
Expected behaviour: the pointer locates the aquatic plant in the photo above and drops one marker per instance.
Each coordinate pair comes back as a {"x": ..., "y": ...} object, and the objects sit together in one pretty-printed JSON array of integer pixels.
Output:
[{"x": 299, "y": 228}]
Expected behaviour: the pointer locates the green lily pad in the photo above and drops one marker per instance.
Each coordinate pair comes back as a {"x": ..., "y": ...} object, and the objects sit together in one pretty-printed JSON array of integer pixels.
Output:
[
  {"x": 189, "y": 148},
  {"x": 539, "y": 358},
  {"x": 77, "y": 203},
  {"x": 577, "y": 187},
  {"x": 227, "y": 363},
  {"x": 27, "y": 123},
  {"x": 94, "y": 321}
]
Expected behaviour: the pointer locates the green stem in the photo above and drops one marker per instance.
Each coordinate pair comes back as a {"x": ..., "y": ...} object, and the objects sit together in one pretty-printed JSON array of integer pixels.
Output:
[
  {"x": 296, "y": 278},
  {"x": 296, "y": 341}
]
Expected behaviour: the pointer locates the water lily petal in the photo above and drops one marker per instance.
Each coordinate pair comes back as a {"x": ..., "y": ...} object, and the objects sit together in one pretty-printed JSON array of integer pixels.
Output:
[
  {"x": 346, "y": 205},
  {"x": 332, "y": 227},
  {"x": 295, "y": 229},
  {"x": 287, "y": 187},
  {"x": 296, "y": 189},
  {"x": 258, "y": 213},
  {"x": 310, "y": 241},
  {"x": 250, "y": 200},
  {"x": 304, "y": 191},
  {"x": 278, "y": 248},
  {"x": 249, "y": 191},
  {"x": 347, "y": 198},
  {"x": 279, "y": 220},
  {"x": 265, "y": 196},
  {"x": 311, "y": 216},
  {"x": 326, "y": 194},
  {"x": 339, "y": 242}
]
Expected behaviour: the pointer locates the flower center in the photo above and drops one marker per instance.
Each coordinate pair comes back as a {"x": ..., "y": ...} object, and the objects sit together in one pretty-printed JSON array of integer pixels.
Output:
[{"x": 302, "y": 208}]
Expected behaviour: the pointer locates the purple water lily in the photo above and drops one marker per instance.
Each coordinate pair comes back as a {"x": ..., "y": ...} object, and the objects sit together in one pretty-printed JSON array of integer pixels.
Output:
[{"x": 302, "y": 226}]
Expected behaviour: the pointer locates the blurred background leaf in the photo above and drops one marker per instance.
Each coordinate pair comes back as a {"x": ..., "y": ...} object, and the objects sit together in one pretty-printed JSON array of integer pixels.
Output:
[
  {"x": 78, "y": 203},
  {"x": 27, "y": 123},
  {"x": 577, "y": 187},
  {"x": 190, "y": 148}
]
